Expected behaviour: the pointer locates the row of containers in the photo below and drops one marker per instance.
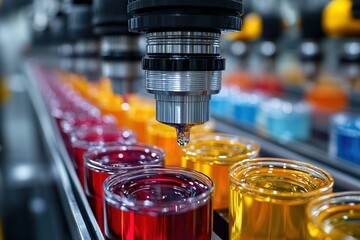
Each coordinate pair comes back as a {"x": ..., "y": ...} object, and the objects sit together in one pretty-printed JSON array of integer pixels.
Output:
[
  {"x": 269, "y": 111},
  {"x": 138, "y": 191}
]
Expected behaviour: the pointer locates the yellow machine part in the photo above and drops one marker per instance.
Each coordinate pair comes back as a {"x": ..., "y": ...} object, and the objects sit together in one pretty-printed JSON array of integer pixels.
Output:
[{"x": 338, "y": 20}]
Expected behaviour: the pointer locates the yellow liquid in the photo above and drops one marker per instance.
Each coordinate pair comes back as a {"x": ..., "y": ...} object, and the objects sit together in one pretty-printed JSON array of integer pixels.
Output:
[
  {"x": 214, "y": 158},
  {"x": 271, "y": 216},
  {"x": 343, "y": 220},
  {"x": 164, "y": 136}
]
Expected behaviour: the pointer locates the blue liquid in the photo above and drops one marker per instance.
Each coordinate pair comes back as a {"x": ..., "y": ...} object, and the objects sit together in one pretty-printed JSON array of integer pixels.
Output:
[
  {"x": 245, "y": 113},
  {"x": 285, "y": 120},
  {"x": 346, "y": 131},
  {"x": 289, "y": 127},
  {"x": 220, "y": 104}
]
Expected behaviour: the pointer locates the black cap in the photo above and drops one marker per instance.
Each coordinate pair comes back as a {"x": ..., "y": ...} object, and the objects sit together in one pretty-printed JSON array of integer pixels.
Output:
[
  {"x": 79, "y": 22},
  {"x": 163, "y": 15},
  {"x": 311, "y": 19},
  {"x": 271, "y": 23},
  {"x": 58, "y": 28},
  {"x": 110, "y": 17},
  {"x": 356, "y": 9}
]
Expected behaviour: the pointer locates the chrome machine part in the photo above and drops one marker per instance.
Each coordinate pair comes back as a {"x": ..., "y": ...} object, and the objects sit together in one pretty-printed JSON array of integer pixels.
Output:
[{"x": 183, "y": 63}]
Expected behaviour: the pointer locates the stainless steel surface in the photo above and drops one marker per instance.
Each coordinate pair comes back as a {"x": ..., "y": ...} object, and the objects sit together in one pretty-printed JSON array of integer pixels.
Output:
[
  {"x": 121, "y": 44},
  {"x": 87, "y": 66},
  {"x": 179, "y": 110},
  {"x": 182, "y": 97},
  {"x": 65, "y": 50},
  {"x": 121, "y": 69},
  {"x": 86, "y": 47},
  {"x": 186, "y": 42},
  {"x": 74, "y": 197},
  {"x": 183, "y": 82}
]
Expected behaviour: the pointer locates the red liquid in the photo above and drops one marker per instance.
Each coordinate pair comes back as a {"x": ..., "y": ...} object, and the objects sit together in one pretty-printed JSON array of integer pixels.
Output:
[
  {"x": 93, "y": 137},
  {"x": 189, "y": 224},
  {"x": 119, "y": 161}
]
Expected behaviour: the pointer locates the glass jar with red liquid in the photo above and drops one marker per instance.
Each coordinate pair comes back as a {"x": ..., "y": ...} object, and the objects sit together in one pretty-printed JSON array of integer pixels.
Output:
[
  {"x": 159, "y": 203},
  {"x": 83, "y": 121},
  {"x": 102, "y": 162},
  {"x": 84, "y": 139}
]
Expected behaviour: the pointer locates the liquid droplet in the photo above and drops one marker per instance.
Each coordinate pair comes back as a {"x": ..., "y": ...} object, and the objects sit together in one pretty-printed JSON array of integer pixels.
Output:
[{"x": 183, "y": 136}]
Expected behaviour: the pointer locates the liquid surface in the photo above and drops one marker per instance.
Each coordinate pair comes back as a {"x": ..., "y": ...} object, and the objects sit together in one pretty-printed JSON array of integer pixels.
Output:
[
  {"x": 271, "y": 212},
  {"x": 217, "y": 150},
  {"x": 127, "y": 158},
  {"x": 162, "y": 188}
]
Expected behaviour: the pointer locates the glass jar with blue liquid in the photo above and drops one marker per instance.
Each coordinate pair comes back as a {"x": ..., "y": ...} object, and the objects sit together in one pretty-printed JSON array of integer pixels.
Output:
[
  {"x": 246, "y": 106},
  {"x": 285, "y": 120},
  {"x": 345, "y": 136}
]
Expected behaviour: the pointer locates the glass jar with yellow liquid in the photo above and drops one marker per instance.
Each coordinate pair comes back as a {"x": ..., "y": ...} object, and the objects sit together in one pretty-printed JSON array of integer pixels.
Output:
[
  {"x": 164, "y": 136},
  {"x": 269, "y": 196},
  {"x": 213, "y": 154},
  {"x": 334, "y": 216}
]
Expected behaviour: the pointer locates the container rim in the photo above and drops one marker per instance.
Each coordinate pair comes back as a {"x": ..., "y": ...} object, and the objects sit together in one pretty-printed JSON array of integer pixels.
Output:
[
  {"x": 281, "y": 163},
  {"x": 92, "y": 154},
  {"x": 252, "y": 147},
  {"x": 125, "y": 136},
  {"x": 148, "y": 207}
]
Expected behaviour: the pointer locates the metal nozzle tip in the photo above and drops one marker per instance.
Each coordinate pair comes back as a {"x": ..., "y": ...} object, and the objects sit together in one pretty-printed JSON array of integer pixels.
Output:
[{"x": 183, "y": 135}]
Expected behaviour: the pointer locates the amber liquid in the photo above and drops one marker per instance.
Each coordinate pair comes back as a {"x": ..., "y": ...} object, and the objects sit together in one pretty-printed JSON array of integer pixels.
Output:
[
  {"x": 217, "y": 170},
  {"x": 343, "y": 219},
  {"x": 267, "y": 216}
]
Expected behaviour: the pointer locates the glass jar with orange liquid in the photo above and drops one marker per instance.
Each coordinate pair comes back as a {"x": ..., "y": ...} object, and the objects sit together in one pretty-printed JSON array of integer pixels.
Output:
[
  {"x": 164, "y": 136},
  {"x": 213, "y": 154},
  {"x": 327, "y": 96},
  {"x": 268, "y": 197},
  {"x": 142, "y": 110},
  {"x": 334, "y": 216}
]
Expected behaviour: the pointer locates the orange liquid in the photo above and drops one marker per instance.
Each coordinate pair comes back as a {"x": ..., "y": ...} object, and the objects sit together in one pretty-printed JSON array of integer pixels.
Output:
[
  {"x": 142, "y": 110},
  {"x": 327, "y": 96}
]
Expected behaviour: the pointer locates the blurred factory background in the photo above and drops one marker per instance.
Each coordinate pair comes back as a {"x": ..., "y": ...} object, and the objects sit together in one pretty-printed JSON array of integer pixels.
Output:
[{"x": 292, "y": 83}]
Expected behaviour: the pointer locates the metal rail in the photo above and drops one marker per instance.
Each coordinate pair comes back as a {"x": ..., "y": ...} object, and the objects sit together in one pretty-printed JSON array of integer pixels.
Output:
[{"x": 80, "y": 217}]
